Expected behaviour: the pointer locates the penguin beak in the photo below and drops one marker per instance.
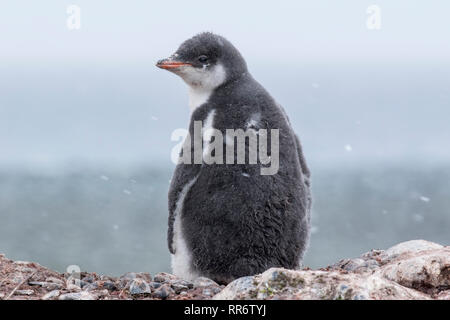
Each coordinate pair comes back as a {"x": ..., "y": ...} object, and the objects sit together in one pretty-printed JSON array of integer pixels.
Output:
[{"x": 169, "y": 64}]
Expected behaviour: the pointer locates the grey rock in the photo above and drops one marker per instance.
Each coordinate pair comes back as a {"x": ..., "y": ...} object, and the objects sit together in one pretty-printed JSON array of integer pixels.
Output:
[
  {"x": 46, "y": 285},
  {"x": 109, "y": 286},
  {"x": 23, "y": 292},
  {"x": 204, "y": 282},
  {"x": 51, "y": 295},
  {"x": 88, "y": 279},
  {"x": 181, "y": 285},
  {"x": 126, "y": 279},
  {"x": 139, "y": 286},
  {"x": 55, "y": 280},
  {"x": 408, "y": 247},
  {"x": 163, "y": 292},
  {"x": 164, "y": 277},
  {"x": 155, "y": 285},
  {"x": 278, "y": 283},
  {"x": 83, "y": 295},
  {"x": 90, "y": 286}
]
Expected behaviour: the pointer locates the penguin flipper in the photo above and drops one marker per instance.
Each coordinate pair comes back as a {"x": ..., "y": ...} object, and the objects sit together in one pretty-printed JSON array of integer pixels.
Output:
[{"x": 301, "y": 157}]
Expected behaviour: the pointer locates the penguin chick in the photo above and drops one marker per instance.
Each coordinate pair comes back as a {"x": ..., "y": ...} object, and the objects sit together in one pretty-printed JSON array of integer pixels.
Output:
[{"x": 228, "y": 220}]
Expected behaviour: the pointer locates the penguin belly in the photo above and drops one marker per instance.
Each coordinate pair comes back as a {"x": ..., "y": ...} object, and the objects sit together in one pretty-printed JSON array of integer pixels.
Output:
[{"x": 182, "y": 258}]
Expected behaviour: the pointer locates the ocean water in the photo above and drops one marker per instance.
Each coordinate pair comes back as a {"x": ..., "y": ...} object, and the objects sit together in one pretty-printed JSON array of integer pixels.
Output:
[{"x": 114, "y": 220}]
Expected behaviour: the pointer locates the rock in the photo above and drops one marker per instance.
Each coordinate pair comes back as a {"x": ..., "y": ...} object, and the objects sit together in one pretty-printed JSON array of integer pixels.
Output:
[
  {"x": 444, "y": 295},
  {"x": 55, "y": 280},
  {"x": 278, "y": 283},
  {"x": 125, "y": 280},
  {"x": 139, "y": 286},
  {"x": 83, "y": 295},
  {"x": 109, "y": 286},
  {"x": 357, "y": 265},
  {"x": 23, "y": 263},
  {"x": 24, "y": 292},
  {"x": 163, "y": 292},
  {"x": 90, "y": 286},
  {"x": 181, "y": 285},
  {"x": 51, "y": 295},
  {"x": 155, "y": 285},
  {"x": 88, "y": 279},
  {"x": 420, "y": 269},
  {"x": 164, "y": 277},
  {"x": 411, "y": 270},
  {"x": 204, "y": 282},
  {"x": 238, "y": 289},
  {"x": 46, "y": 285},
  {"x": 408, "y": 247}
]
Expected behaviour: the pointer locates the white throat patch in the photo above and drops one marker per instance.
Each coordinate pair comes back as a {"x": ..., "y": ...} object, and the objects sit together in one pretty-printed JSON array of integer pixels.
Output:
[{"x": 201, "y": 82}]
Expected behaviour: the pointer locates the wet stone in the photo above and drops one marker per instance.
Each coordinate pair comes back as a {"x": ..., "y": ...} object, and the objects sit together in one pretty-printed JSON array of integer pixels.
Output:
[
  {"x": 109, "y": 286},
  {"x": 83, "y": 295},
  {"x": 90, "y": 286},
  {"x": 51, "y": 295},
  {"x": 164, "y": 277},
  {"x": 88, "y": 279},
  {"x": 163, "y": 292},
  {"x": 24, "y": 292},
  {"x": 139, "y": 286},
  {"x": 181, "y": 285},
  {"x": 204, "y": 282}
]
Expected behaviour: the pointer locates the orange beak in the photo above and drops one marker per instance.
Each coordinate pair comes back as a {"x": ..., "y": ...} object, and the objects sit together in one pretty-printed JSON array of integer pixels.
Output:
[{"x": 168, "y": 64}]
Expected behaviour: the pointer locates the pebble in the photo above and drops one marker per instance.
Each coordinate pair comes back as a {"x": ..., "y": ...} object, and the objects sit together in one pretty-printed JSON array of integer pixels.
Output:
[
  {"x": 23, "y": 263},
  {"x": 155, "y": 285},
  {"x": 164, "y": 277},
  {"x": 83, "y": 295},
  {"x": 50, "y": 295},
  {"x": 55, "y": 280},
  {"x": 207, "y": 292},
  {"x": 181, "y": 285},
  {"x": 90, "y": 286},
  {"x": 125, "y": 280},
  {"x": 139, "y": 286},
  {"x": 88, "y": 279},
  {"x": 163, "y": 292},
  {"x": 24, "y": 292},
  {"x": 204, "y": 282},
  {"x": 46, "y": 285},
  {"x": 109, "y": 286}
]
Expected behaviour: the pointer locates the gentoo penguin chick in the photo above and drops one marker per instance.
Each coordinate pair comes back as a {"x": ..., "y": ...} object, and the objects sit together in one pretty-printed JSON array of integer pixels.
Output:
[{"x": 229, "y": 219}]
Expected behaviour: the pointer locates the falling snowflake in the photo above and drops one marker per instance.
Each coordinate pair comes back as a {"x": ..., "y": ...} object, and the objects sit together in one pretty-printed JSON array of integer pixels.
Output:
[
  {"x": 154, "y": 118},
  {"x": 348, "y": 148},
  {"x": 425, "y": 199},
  {"x": 127, "y": 191},
  {"x": 115, "y": 227},
  {"x": 104, "y": 178},
  {"x": 314, "y": 229}
]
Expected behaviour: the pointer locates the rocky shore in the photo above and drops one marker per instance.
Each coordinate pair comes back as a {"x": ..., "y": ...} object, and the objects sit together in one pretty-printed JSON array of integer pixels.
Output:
[{"x": 415, "y": 269}]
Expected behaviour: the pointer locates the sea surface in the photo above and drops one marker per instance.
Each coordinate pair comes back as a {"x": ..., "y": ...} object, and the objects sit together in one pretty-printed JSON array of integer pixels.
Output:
[{"x": 114, "y": 220}]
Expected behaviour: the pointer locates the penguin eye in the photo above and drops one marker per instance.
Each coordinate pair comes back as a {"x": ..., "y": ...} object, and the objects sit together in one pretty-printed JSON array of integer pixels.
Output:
[{"x": 203, "y": 59}]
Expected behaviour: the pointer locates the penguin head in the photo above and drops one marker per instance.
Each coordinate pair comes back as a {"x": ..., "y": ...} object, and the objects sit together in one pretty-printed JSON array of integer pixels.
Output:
[{"x": 205, "y": 61}]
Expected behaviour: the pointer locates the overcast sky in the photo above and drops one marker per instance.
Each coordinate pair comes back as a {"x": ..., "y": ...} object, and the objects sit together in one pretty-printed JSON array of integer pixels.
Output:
[{"x": 94, "y": 93}]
